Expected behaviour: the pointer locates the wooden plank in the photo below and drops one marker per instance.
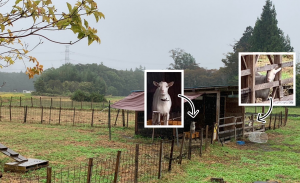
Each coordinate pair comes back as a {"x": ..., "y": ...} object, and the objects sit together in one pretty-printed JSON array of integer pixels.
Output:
[
  {"x": 270, "y": 59},
  {"x": 245, "y": 90},
  {"x": 287, "y": 64},
  {"x": 266, "y": 85},
  {"x": 243, "y": 58},
  {"x": 228, "y": 131},
  {"x": 245, "y": 72},
  {"x": 266, "y": 67},
  {"x": 250, "y": 59},
  {"x": 281, "y": 92},
  {"x": 285, "y": 81}
]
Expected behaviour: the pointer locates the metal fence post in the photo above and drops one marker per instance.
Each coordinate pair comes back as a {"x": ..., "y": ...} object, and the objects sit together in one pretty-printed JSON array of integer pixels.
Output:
[{"x": 160, "y": 159}]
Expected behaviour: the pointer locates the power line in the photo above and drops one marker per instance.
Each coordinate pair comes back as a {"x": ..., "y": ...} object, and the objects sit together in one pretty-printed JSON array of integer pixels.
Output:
[{"x": 67, "y": 52}]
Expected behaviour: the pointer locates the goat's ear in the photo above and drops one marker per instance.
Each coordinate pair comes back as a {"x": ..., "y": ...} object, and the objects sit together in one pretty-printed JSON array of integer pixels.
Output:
[
  {"x": 155, "y": 83},
  {"x": 171, "y": 83}
]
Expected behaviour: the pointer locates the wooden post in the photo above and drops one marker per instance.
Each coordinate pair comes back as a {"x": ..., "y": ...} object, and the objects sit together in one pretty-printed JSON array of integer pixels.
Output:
[
  {"x": 276, "y": 92},
  {"x": 90, "y": 168},
  {"x": 206, "y": 138},
  {"x": 270, "y": 121},
  {"x": 160, "y": 159},
  {"x": 171, "y": 155},
  {"x": 10, "y": 101},
  {"x": 117, "y": 117},
  {"x": 152, "y": 135},
  {"x": 92, "y": 104},
  {"x": 31, "y": 102},
  {"x": 263, "y": 110},
  {"x": 49, "y": 170},
  {"x": 60, "y": 102},
  {"x": 190, "y": 146},
  {"x": 243, "y": 125},
  {"x": 136, "y": 163},
  {"x": 250, "y": 60},
  {"x": 214, "y": 135},
  {"x": 20, "y": 102},
  {"x": 72, "y": 104},
  {"x": 74, "y": 117},
  {"x": 109, "y": 126},
  {"x": 59, "y": 115},
  {"x": 281, "y": 118},
  {"x": 92, "y": 117},
  {"x": 50, "y": 111},
  {"x": 123, "y": 117},
  {"x": 25, "y": 118},
  {"x": 10, "y": 111},
  {"x": 40, "y": 101},
  {"x": 181, "y": 147},
  {"x": 127, "y": 118},
  {"x": 235, "y": 133},
  {"x": 275, "y": 122},
  {"x": 117, "y": 167},
  {"x": 42, "y": 114},
  {"x": 286, "y": 115},
  {"x": 201, "y": 141}
]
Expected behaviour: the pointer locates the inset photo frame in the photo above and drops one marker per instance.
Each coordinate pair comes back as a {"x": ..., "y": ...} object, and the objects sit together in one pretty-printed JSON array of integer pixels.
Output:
[
  {"x": 267, "y": 74},
  {"x": 163, "y": 107}
]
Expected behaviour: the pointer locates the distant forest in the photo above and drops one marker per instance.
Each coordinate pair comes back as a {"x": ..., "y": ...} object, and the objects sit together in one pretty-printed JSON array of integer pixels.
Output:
[
  {"x": 16, "y": 82},
  {"x": 90, "y": 78}
]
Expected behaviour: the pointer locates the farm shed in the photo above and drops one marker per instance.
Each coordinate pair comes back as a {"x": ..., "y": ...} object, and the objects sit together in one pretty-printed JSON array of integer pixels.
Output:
[
  {"x": 218, "y": 108},
  {"x": 214, "y": 103}
]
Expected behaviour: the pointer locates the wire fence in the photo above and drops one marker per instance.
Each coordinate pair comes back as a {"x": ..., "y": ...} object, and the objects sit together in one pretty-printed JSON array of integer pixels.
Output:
[
  {"x": 51, "y": 102},
  {"x": 64, "y": 116},
  {"x": 139, "y": 163}
]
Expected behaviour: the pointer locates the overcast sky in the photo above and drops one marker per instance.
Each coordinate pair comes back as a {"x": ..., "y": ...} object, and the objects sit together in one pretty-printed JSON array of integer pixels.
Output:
[{"x": 136, "y": 32}]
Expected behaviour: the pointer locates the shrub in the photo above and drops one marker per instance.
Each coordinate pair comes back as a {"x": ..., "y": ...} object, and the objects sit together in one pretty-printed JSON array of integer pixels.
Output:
[{"x": 79, "y": 95}]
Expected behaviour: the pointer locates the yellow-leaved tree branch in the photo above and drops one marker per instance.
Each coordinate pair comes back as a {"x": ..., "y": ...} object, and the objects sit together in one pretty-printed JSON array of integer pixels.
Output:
[{"x": 44, "y": 17}]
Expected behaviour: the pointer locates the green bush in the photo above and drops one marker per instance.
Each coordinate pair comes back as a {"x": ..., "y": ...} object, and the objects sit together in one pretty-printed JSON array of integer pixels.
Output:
[{"x": 79, "y": 95}]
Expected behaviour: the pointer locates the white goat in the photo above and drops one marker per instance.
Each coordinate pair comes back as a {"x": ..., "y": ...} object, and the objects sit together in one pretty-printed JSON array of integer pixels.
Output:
[
  {"x": 260, "y": 79},
  {"x": 161, "y": 102}
]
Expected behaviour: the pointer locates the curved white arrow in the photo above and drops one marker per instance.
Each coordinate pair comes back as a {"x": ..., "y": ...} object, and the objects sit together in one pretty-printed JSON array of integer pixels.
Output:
[
  {"x": 261, "y": 119},
  {"x": 194, "y": 113}
]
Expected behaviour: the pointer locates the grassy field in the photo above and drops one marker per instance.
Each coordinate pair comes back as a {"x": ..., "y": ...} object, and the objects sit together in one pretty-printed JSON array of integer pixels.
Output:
[{"x": 277, "y": 160}]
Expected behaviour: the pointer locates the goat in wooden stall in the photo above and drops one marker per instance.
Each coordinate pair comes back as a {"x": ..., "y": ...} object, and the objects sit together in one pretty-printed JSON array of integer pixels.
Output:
[
  {"x": 161, "y": 102},
  {"x": 261, "y": 79}
]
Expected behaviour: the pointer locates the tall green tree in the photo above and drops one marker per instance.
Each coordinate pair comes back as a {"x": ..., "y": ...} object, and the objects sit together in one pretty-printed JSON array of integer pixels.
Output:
[
  {"x": 267, "y": 37},
  {"x": 182, "y": 60}
]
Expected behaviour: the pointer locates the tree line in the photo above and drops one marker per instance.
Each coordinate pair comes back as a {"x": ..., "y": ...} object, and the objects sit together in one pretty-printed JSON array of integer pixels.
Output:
[{"x": 90, "y": 78}]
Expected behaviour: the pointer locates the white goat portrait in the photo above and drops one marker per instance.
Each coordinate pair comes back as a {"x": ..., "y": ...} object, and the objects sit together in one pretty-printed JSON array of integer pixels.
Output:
[
  {"x": 260, "y": 79},
  {"x": 161, "y": 102}
]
